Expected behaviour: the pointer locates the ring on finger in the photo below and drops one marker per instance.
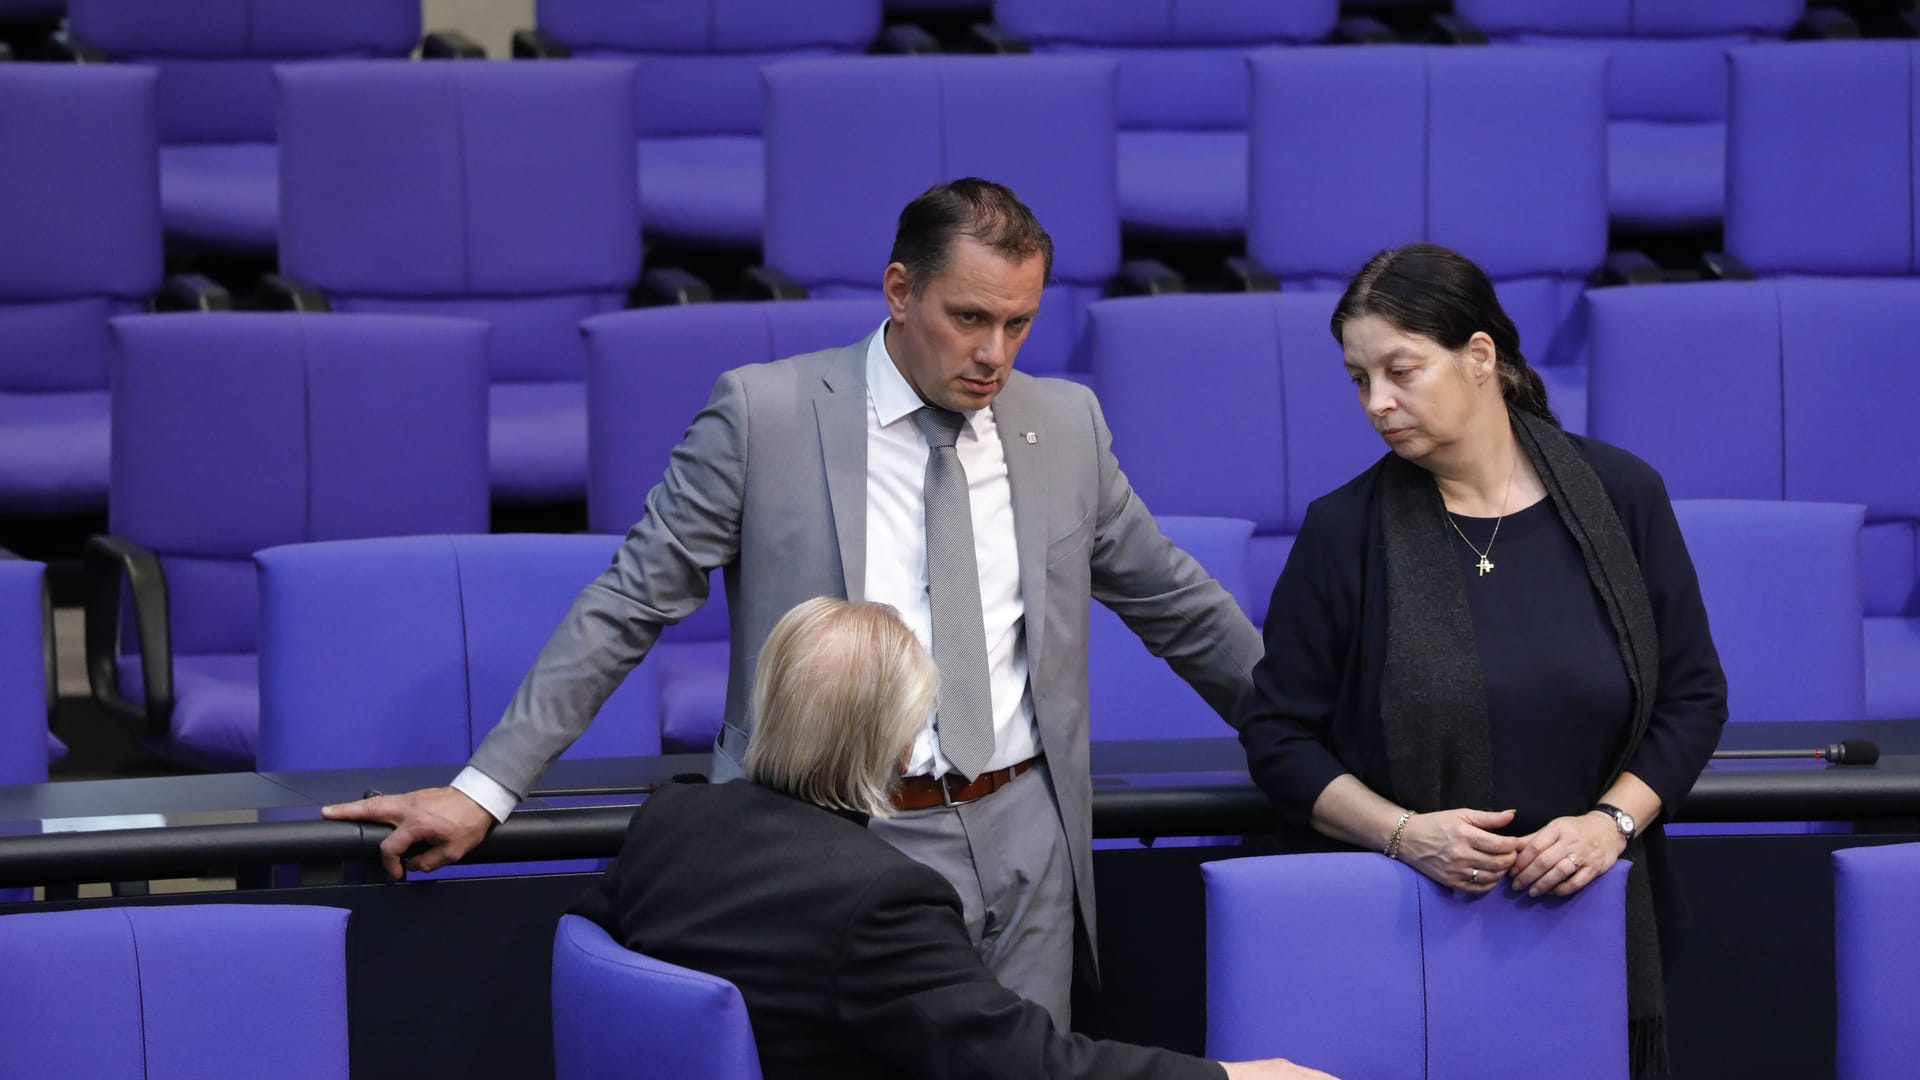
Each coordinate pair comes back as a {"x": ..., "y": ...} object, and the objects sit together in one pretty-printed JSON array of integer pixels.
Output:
[
  {"x": 1574, "y": 861},
  {"x": 1473, "y": 876}
]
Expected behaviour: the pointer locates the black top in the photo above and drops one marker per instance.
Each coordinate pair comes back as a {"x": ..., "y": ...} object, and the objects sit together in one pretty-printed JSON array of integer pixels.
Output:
[
  {"x": 852, "y": 958},
  {"x": 1559, "y": 704},
  {"x": 1315, "y": 710}
]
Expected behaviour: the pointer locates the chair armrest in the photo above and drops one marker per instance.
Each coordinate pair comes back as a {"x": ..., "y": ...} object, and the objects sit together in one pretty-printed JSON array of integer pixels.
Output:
[
  {"x": 992, "y": 38},
  {"x": 1147, "y": 277},
  {"x": 1722, "y": 266},
  {"x": 283, "y": 292},
  {"x": 768, "y": 283},
  {"x": 63, "y": 47},
  {"x": 1454, "y": 30},
  {"x": 906, "y": 39},
  {"x": 1363, "y": 30},
  {"x": 106, "y": 559},
  {"x": 48, "y": 653},
  {"x": 670, "y": 285},
  {"x": 1629, "y": 268},
  {"x": 6, "y": 52},
  {"x": 1908, "y": 23},
  {"x": 1247, "y": 275},
  {"x": 191, "y": 292},
  {"x": 534, "y": 45},
  {"x": 1825, "y": 24},
  {"x": 450, "y": 45}
]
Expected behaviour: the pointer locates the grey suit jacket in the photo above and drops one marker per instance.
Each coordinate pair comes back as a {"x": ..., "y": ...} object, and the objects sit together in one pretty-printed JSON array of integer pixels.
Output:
[{"x": 770, "y": 484}]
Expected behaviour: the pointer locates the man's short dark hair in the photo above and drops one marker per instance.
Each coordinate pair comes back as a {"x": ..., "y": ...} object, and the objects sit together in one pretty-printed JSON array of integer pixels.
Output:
[{"x": 988, "y": 212}]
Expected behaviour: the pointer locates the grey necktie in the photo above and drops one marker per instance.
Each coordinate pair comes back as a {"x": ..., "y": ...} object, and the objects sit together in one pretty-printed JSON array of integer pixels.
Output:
[{"x": 965, "y": 719}]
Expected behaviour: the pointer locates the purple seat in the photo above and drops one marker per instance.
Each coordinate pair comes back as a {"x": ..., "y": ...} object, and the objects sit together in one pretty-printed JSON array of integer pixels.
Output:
[
  {"x": 1181, "y": 97},
  {"x": 174, "y": 993},
  {"x": 1781, "y": 581},
  {"x": 80, "y": 226},
  {"x": 1043, "y": 126},
  {"x": 1820, "y": 159},
  {"x": 235, "y": 432},
  {"x": 215, "y": 58},
  {"x": 1798, "y": 376},
  {"x": 496, "y": 191},
  {"x": 406, "y": 651},
  {"x": 1256, "y": 421},
  {"x": 1666, "y": 89},
  {"x": 1497, "y": 153},
  {"x": 697, "y": 95},
  {"x": 1131, "y": 693},
  {"x": 1447, "y": 980},
  {"x": 1876, "y": 959},
  {"x": 26, "y": 672},
  {"x": 648, "y": 373},
  {"x": 613, "y": 1007}
]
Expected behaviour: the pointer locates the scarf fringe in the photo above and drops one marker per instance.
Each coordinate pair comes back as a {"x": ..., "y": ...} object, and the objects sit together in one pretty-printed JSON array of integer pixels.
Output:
[{"x": 1647, "y": 1047}]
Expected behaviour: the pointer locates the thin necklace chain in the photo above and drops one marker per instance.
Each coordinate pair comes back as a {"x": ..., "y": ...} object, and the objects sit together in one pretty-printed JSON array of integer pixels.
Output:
[{"x": 1486, "y": 557}]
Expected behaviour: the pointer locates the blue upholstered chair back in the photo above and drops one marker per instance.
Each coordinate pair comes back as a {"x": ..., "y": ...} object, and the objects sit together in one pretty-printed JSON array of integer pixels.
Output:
[
  {"x": 25, "y": 662},
  {"x": 613, "y": 1007},
  {"x": 407, "y": 651},
  {"x": 1393, "y": 977},
  {"x": 1876, "y": 960},
  {"x": 166, "y": 993}
]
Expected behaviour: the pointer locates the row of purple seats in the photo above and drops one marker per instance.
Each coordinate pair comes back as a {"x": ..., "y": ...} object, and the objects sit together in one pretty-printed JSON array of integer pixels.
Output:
[
  {"x": 171, "y": 993},
  {"x": 1447, "y": 980},
  {"x": 1781, "y": 390}
]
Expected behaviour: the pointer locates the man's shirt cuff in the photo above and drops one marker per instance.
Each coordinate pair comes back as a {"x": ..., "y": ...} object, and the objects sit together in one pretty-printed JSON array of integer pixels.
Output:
[{"x": 486, "y": 791}]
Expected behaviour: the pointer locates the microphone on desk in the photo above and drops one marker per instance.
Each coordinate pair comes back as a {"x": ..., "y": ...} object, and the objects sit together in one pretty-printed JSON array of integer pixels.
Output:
[{"x": 1844, "y": 752}]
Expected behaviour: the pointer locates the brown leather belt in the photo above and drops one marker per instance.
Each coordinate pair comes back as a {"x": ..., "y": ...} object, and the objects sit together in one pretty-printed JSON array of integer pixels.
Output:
[{"x": 921, "y": 792}]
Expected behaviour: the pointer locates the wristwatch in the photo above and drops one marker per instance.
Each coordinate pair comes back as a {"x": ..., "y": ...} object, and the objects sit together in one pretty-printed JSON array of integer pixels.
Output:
[{"x": 1621, "y": 820}]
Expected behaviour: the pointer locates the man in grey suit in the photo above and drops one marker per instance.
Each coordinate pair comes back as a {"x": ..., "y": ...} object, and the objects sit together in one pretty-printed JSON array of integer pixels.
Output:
[{"x": 919, "y": 469}]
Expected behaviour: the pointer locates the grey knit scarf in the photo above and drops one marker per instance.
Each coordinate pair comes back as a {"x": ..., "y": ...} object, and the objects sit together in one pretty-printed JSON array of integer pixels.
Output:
[{"x": 1433, "y": 705}]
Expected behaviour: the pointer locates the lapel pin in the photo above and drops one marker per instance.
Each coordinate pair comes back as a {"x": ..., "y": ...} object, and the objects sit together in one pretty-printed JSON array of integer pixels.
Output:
[{"x": 1032, "y": 437}]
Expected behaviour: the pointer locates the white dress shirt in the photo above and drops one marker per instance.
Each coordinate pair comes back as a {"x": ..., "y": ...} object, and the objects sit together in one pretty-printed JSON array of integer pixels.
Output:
[
  {"x": 897, "y": 565},
  {"x": 897, "y": 551}
]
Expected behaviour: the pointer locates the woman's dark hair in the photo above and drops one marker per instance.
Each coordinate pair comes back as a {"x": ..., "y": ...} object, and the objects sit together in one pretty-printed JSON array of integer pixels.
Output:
[
  {"x": 1439, "y": 294},
  {"x": 988, "y": 212}
]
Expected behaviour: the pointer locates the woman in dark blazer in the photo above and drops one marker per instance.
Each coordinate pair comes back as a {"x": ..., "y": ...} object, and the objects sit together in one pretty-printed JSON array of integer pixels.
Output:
[
  {"x": 852, "y": 958},
  {"x": 1487, "y": 655}
]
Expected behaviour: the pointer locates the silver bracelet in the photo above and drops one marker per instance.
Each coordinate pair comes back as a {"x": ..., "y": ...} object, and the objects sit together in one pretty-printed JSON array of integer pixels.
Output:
[{"x": 1393, "y": 842}]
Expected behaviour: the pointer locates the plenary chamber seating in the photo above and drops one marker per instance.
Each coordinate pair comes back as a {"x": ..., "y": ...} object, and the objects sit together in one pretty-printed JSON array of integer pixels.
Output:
[
  {"x": 26, "y": 673},
  {"x": 175, "y": 993},
  {"x": 1876, "y": 960},
  {"x": 234, "y": 432},
  {"x": 613, "y": 1007},
  {"x": 1821, "y": 159},
  {"x": 1181, "y": 96},
  {"x": 1387, "y": 975},
  {"x": 697, "y": 104},
  {"x": 1499, "y": 154},
  {"x": 1666, "y": 89},
  {"x": 1044, "y": 126},
  {"x": 649, "y": 372},
  {"x": 80, "y": 232},
  {"x": 1230, "y": 406},
  {"x": 1780, "y": 390},
  {"x": 215, "y": 103},
  {"x": 502, "y": 192}
]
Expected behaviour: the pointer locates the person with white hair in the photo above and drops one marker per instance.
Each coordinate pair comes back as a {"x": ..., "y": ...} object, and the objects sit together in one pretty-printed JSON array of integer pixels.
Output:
[{"x": 852, "y": 958}]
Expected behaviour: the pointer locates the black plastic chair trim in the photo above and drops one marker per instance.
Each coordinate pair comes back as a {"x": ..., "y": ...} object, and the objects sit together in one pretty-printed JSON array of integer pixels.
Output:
[
  {"x": 1825, "y": 24},
  {"x": 106, "y": 560},
  {"x": 283, "y": 292},
  {"x": 1454, "y": 30},
  {"x": 1724, "y": 266},
  {"x": 906, "y": 39},
  {"x": 1362, "y": 30},
  {"x": 191, "y": 292},
  {"x": 64, "y": 48},
  {"x": 534, "y": 45},
  {"x": 1147, "y": 277},
  {"x": 1629, "y": 268},
  {"x": 450, "y": 45},
  {"x": 993, "y": 38},
  {"x": 1248, "y": 275},
  {"x": 670, "y": 285},
  {"x": 768, "y": 283}
]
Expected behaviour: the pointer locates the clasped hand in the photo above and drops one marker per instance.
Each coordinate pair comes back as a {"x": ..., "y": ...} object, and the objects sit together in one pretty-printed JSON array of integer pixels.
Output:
[{"x": 1459, "y": 849}]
